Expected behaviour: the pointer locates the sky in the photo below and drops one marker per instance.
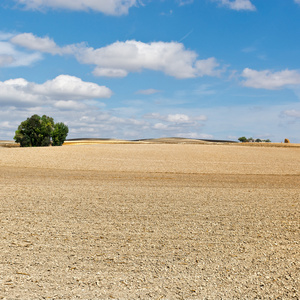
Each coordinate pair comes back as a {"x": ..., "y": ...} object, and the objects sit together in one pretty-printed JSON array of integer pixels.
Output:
[{"x": 133, "y": 69}]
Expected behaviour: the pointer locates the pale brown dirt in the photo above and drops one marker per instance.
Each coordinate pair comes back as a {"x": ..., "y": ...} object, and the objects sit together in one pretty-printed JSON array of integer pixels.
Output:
[{"x": 149, "y": 221}]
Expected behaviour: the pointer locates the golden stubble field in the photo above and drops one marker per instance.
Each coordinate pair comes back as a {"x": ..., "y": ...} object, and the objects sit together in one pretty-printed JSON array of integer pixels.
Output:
[{"x": 149, "y": 221}]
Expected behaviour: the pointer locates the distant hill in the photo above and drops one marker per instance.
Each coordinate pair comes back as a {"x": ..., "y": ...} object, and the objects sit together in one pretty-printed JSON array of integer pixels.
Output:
[{"x": 165, "y": 140}]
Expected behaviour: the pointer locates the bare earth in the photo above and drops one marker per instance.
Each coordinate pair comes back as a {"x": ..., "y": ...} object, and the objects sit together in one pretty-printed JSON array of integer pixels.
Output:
[{"x": 149, "y": 221}]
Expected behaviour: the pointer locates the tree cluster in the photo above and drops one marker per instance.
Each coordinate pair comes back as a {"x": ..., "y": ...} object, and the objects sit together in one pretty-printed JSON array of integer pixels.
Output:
[
  {"x": 39, "y": 131},
  {"x": 252, "y": 140}
]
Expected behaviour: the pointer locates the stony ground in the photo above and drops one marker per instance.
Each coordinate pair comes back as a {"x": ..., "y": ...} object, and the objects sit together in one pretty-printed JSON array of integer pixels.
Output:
[{"x": 149, "y": 222}]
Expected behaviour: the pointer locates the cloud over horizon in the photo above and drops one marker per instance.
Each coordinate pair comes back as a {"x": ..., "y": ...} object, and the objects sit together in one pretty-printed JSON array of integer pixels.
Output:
[{"x": 177, "y": 118}]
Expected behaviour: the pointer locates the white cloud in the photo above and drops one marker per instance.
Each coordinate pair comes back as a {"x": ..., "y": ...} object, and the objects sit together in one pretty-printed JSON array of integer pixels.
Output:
[
  {"x": 171, "y": 130},
  {"x": 107, "y": 72},
  {"x": 71, "y": 87},
  {"x": 45, "y": 44},
  {"x": 177, "y": 118},
  {"x": 97, "y": 122},
  {"x": 15, "y": 92},
  {"x": 267, "y": 80},
  {"x": 28, "y": 40},
  {"x": 120, "y": 58},
  {"x": 297, "y": 1},
  {"x": 207, "y": 67},
  {"x": 177, "y": 125},
  {"x": 148, "y": 92},
  {"x": 109, "y": 7},
  {"x": 238, "y": 4},
  {"x": 6, "y": 125},
  {"x": 63, "y": 88},
  {"x": 70, "y": 105},
  {"x": 196, "y": 135},
  {"x": 11, "y": 57},
  {"x": 292, "y": 113},
  {"x": 161, "y": 126}
]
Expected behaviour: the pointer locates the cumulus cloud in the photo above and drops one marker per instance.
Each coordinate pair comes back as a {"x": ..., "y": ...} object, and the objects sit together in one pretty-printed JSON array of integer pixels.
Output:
[
  {"x": 238, "y": 4},
  {"x": 11, "y": 57},
  {"x": 15, "y": 92},
  {"x": 45, "y": 44},
  {"x": 109, "y": 7},
  {"x": 267, "y": 80},
  {"x": 120, "y": 58},
  {"x": 71, "y": 87},
  {"x": 62, "y": 88}
]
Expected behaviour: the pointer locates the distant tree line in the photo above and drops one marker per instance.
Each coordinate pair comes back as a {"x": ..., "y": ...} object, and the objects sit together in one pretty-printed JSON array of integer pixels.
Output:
[
  {"x": 39, "y": 131},
  {"x": 252, "y": 140}
]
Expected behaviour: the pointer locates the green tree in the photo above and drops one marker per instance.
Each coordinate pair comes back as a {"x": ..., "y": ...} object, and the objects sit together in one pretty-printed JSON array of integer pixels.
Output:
[
  {"x": 59, "y": 134},
  {"x": 37, "y": 131},
  {"x": 243, "y": 139}
]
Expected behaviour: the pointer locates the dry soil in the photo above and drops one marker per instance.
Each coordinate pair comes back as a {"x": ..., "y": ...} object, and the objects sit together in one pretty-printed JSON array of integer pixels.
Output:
[{"x": 156, "y": 221}]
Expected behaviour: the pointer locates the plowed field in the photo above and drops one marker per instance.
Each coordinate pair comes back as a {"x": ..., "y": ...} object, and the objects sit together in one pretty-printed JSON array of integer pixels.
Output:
[{"x": 149, "y": 221}]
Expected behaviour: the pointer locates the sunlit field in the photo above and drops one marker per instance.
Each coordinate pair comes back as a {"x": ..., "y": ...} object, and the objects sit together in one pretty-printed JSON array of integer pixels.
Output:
[{"x": 121, "y": 220}]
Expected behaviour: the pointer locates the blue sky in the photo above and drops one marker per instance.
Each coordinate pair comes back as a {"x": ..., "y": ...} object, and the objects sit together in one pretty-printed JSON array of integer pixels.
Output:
[{"x": 216, "y": 69}]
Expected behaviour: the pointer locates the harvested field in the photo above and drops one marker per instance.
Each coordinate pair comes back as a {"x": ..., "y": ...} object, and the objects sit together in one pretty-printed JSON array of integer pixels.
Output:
[{"x": 150, "y": 221}]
